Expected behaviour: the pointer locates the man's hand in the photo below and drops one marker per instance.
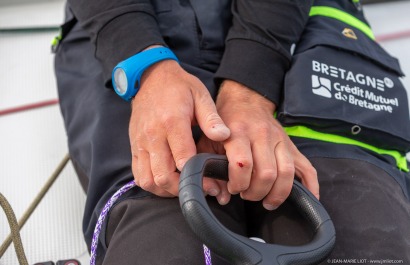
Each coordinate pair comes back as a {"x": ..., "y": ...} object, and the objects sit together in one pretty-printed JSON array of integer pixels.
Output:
[
  {"x": 262, "y": 159},
  {"x": 168, "y": 103}
]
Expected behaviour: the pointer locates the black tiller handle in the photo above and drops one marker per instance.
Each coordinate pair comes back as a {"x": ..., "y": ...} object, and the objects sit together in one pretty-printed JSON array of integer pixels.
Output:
[{"x": 242, "y": 250}]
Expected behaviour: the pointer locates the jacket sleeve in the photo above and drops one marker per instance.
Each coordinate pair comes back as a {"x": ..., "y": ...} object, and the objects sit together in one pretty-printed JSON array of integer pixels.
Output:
[
  {"x": 257, "y": 52},
  {"x": 117, "y": 28}
]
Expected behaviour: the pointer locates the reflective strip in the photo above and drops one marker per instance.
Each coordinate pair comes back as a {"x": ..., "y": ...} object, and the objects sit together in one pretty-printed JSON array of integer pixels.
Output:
[
  {"x": 304, "y": 132},
  {"x": 343, "y": 17}
]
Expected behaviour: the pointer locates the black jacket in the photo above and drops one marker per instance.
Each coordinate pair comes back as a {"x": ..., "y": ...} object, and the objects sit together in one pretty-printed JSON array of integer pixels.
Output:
[{"x": 254, "y": 37}]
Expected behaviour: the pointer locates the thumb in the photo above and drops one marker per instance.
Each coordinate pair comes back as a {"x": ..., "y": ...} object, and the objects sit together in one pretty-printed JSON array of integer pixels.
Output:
[{"x": 208, "y": 118}]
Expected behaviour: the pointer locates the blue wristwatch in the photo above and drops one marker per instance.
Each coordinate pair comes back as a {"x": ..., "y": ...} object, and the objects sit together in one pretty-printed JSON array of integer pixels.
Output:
[{"x": 127, "y": 74}]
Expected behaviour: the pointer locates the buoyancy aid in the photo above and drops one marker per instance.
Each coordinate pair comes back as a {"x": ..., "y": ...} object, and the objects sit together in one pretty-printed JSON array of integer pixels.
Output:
[{"x": 343, "y": 87}]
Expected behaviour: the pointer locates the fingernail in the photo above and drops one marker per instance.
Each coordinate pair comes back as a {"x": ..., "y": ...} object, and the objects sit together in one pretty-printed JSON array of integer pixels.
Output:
[
  {"x": 213, "y": 192},
  {"x": 231, "y": 192},
  {"x": 223, "y": 200},
  {"x": 269, "y": 207},
  {"x": 180, "y": 164}
]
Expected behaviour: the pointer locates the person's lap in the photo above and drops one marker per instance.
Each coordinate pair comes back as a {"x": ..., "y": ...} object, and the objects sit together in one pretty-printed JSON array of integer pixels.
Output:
[
  {"x": 152, "y": 230},
  {"x": 367, "y": 206}
]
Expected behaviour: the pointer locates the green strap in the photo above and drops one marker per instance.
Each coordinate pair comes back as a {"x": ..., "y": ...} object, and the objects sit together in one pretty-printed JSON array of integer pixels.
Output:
[
  {"x": 343, "y": 17},
  {"x": 56, "y": 40},
  {"x": 302, "y": 131}
]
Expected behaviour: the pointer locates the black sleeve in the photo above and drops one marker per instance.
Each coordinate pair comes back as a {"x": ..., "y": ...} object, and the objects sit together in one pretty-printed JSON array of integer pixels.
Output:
[
  {"x": 115, "y": 29},
  {"x": 257, "y": 52}
]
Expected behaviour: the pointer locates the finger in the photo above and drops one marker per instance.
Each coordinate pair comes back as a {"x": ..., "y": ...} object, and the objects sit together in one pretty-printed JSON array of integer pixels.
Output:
[
  {"x": 207, "y": 116},
  {"x": 217, "y": 188},
  {"x": 163, "y": 167},
  {"x": 238, "y": 151},
  {"x": 306, "y": 172},
  {"x": 224, "y": 196},
  {"x": 181, "y": 143},
  {"x": 210, "y": 186},
  {"x": 284, "y": 181},
  {"x": 264, "y": 171},
  {"x": 145, "y": 177}
]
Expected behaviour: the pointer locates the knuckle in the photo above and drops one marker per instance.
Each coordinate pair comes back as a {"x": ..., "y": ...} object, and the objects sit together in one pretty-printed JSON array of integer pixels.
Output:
[
  {"x": 237, "y": 187},
  {"x": 161, "y": 180},
  {"x": 287, "y": 170},
  {"x": 149, "y": 132},
  {"x": 238, "y": 127},
  {"x": 181, "y": 155},
  {"x": 252, "y": 196},
  {"x": 212, "y": 118},
  {"x": 310, "y": 171},
  {"x": 267, "y": 175},
  {"x": 180, "y": 160},
  {"x": 169, "y": 120},
  {"x": 265, "y": 131},
  {"x": 147, "y": 184},
  {"x": 278, "y": 199},
  {"x": 136, "y": 140}
]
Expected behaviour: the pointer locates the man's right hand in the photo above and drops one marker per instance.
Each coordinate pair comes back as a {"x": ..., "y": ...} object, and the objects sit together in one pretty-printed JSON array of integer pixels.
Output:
[{"x": 169, "y": 102}]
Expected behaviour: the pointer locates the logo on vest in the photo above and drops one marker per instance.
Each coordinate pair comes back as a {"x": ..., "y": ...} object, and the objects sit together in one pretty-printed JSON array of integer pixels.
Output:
[
  {"x": 347, "y": 75},
  {"x": 349, "y": 33},
  {"x": 321, "y": 86},
  {"x": 352, "y": 88}
]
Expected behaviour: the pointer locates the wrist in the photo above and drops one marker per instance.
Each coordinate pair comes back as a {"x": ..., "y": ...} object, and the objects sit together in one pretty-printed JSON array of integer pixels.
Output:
[
  {"x": 159, "y": 69},
  {"x": 232, "y": 93}
]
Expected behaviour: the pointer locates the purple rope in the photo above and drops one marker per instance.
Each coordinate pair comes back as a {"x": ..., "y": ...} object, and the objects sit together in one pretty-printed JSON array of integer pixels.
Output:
[
  {"x": 104, "y": 213},
  {"x": 207, "y": 255},
  {"x": 102, "y": 216}
]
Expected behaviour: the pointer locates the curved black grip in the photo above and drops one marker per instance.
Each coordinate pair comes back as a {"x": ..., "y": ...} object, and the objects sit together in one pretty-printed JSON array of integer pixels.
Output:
[{"x": 236, "y": 248}]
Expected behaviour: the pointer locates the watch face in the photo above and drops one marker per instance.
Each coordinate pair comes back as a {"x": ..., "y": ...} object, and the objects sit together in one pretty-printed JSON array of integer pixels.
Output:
[{"x": 120, "y": 80}]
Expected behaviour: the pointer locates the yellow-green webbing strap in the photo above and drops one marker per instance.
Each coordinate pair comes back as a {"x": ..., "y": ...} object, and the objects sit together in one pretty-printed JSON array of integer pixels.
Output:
[
  {"x": 305, "y": 132},
  {"x": 342, "y": 16}
]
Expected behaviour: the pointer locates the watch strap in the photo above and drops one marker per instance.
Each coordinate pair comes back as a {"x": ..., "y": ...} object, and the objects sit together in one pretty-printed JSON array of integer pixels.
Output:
[{"x": 135, "y": 66}]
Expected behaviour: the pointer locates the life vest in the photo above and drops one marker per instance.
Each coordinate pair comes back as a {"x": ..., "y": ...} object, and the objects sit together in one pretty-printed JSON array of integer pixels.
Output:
[{"x": 343, "y": 87}]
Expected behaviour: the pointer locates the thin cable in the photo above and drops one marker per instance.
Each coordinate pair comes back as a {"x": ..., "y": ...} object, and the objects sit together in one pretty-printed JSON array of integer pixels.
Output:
[
  {"x": 29, "y": 106},
  {"x": 15, "y": 231},
  {"x": 101, "y": 218},
  {"x": 35, "y": 202},
  {"x": 393, "y": 36},
  {"x": 103, "y": 215},
  {"x": 207, "y": 255}
]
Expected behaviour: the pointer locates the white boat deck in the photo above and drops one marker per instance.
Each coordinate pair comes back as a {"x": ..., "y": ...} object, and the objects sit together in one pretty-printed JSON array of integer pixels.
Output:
[{"x": 33, "y": 142}]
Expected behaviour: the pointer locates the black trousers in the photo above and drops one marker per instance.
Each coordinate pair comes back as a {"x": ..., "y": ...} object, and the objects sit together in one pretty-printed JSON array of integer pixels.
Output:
[{"x": 367, "y": 206}]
